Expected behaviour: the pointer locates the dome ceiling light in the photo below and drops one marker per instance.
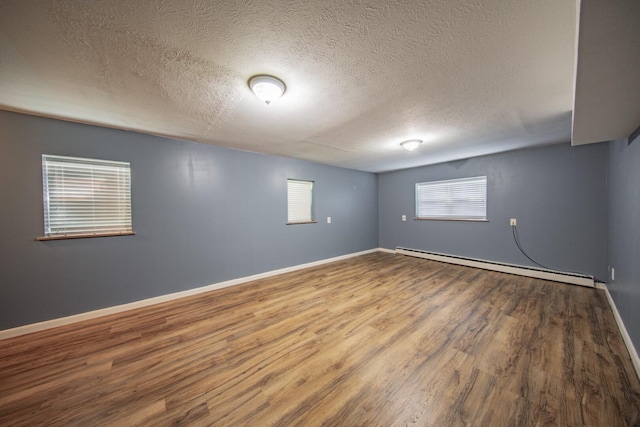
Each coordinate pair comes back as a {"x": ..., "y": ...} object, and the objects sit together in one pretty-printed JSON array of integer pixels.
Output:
[
  {"x": 267, "y": 88},
  {"x": 411, "y": 144}
]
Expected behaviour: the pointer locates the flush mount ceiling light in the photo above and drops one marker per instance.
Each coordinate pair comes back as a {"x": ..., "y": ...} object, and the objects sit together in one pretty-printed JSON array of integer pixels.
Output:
[
  {"x": 411, "y": 144},
  {"x": 267, "y": 88}
]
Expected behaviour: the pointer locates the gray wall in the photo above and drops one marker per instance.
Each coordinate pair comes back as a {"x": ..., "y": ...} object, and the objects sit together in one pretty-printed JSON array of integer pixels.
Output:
[
  {"x": 206, "y": 214},
  {"x": 557, "y": 194},
  {"x": 202, "y": 215},
  {"x": 624, "y": 232}
]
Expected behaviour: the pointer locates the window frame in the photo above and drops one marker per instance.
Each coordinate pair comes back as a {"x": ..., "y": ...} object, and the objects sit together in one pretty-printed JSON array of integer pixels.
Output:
[
  {"x": 312, "y": 215},
  {"x": 102, "y": 189},
  {"x": 449, "y": 185}
]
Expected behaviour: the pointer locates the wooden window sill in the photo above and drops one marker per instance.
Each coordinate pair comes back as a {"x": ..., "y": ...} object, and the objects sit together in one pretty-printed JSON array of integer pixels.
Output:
[{"x": 84, "y": 236}]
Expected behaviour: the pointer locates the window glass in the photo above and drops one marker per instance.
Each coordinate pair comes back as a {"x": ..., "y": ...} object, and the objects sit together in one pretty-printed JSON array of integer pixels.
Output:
[
  {"x": 85, "y": 196},
  {"x": 299, "y": 201},
  {"x": 457, "y": 199}
]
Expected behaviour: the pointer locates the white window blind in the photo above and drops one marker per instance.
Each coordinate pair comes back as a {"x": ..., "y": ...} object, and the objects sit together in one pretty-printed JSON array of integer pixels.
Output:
[
  {"x": 299, "y": 201},
  {"x": 85, "y": 196},
  {"x": 458, "y": 199}
]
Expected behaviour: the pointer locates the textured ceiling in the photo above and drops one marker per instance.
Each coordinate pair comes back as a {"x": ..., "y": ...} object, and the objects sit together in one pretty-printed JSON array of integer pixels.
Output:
[{"x": 468, "y": 77}]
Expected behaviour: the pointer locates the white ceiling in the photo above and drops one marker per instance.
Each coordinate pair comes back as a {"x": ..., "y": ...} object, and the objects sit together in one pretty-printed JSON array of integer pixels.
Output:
[{"x": 468, "y": 77}]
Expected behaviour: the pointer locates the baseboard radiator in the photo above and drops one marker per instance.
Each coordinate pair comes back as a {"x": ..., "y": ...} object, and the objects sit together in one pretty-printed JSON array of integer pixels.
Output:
[{"x": 556, "y": 276}]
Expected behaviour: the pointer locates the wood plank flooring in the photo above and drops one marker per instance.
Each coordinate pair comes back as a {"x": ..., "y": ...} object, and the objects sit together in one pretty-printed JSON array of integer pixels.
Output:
[{"x": 377, "y": 340}]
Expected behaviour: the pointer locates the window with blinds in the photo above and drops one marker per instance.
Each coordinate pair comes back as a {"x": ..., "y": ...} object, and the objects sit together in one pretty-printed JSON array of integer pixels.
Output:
[
  {"x": 85, "y": 197},
  {"x": 455, "y": 199},
  {"x": 299, "y": 201}
]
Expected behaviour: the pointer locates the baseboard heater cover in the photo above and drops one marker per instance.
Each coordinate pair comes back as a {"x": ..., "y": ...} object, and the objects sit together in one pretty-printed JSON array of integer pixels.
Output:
[{"x": 556, "y": 276}]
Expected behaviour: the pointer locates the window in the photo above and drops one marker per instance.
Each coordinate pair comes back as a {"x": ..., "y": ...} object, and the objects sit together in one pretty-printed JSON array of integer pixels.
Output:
[
  {"x": 455, "y": 199},
  {"x": 299, "y": 201},
  {"x": 85, "y": 197}
]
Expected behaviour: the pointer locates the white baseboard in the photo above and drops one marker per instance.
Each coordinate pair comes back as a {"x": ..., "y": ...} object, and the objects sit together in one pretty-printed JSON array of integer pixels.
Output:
[
  {"x": 388, "y": 251},
  {"x": 633, "y": 354},
  {"x": 53, "y": 323},
  {"x": 556, "y": 276}
]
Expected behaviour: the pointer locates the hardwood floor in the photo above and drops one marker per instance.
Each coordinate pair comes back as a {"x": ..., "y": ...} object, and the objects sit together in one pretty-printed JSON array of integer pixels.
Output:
[{"x": 377, "y": 340}]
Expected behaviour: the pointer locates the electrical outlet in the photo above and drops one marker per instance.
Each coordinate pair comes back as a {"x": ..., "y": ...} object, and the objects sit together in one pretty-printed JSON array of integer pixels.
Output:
[
  {"x": 328, "y": 220},
  {"x": 404, "y": 217},
  {"x": 512, "y": 222},
  {"x": 613, "y": 273}
]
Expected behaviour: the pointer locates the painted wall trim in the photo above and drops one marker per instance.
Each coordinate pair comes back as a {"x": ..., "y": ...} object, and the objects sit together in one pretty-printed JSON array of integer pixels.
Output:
[
  {"x": 633, "y": 354},
  {"x": 62, "y": 321},
  {"x": 388, "y": 251},
  {"x": 556, "y": 276}
]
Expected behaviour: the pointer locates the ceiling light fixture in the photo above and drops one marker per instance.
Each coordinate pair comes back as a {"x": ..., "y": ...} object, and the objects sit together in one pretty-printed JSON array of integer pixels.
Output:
[
  {"x": 267, "y": 88},
  {"x": 411, "y": 144}
]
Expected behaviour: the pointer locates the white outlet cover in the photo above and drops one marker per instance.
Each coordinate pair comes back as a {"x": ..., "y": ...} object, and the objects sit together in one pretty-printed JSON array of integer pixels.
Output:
[
  {"x": 404, "y": 217},
  {"x": 328, "y": 220}
]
